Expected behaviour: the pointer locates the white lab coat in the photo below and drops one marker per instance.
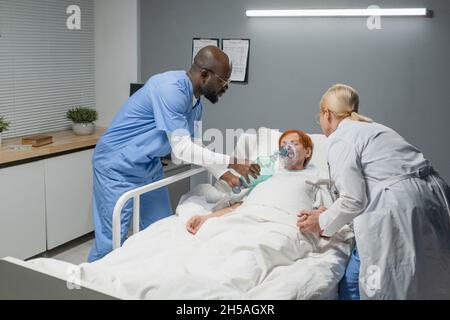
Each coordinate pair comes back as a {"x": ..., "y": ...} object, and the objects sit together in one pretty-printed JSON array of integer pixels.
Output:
[{"x": 399, "y": 209}]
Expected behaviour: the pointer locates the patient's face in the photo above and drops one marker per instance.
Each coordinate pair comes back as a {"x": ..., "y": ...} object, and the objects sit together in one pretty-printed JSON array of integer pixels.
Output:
[{"x": 301, "y": 153}]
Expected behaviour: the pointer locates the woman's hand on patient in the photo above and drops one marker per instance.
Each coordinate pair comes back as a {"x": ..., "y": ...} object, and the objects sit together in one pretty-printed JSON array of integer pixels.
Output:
[
  {"x": 308, "y": 221},
  {"x": 194, "y": 223}
]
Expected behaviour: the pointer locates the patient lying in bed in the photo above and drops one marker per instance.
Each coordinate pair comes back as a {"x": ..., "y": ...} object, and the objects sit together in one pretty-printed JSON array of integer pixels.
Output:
[
  {"x": 284, "y": 189},
  {"x": 235, "y": 256},
  {"x": 253, "y": 251}
]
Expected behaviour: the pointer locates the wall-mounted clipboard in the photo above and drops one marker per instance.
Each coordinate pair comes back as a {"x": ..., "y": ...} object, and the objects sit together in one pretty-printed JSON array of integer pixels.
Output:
[
  {"x": 199, "y": 43},
  {"x": 239, "y": 52}
]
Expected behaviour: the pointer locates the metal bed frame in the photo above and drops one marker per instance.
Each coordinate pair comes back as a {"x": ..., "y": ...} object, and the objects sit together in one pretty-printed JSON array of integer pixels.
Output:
[{"x": 135, "y": 195}]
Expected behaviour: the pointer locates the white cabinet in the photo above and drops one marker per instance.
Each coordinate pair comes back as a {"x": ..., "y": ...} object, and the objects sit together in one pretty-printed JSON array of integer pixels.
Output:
[
  {"x": 45, "y": 203},
  {"x": 68, "y": 188},
  {"x": 22, "y": 210}
]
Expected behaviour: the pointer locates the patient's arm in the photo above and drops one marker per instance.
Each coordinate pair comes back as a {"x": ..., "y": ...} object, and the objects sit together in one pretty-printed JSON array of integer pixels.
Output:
[{"x": 194, "y": 223}]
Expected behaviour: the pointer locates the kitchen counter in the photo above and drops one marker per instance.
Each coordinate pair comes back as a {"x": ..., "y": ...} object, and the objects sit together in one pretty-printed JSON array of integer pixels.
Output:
[{"x": 63, "y": 142}]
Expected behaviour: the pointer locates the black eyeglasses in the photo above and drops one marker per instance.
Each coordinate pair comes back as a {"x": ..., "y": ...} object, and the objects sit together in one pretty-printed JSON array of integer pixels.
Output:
[{"x": 225, "y": 83}]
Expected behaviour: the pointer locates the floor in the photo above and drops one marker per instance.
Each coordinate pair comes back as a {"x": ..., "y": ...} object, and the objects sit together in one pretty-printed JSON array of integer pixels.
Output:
[{"x": 75, "y": 252}]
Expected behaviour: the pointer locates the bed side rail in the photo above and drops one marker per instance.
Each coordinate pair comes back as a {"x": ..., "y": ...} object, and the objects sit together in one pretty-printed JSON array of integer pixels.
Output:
[{"x": 135, "y": 195}]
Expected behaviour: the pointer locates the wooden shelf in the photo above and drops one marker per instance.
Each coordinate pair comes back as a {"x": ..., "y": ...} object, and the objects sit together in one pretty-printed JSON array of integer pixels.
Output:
[{"x": 63, "y": 142}]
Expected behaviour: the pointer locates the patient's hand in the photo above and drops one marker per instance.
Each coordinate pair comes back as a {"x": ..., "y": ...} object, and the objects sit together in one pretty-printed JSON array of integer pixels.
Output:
[
  {"x": 308, "y": 221},
  {"x": 194, "y": 223}
]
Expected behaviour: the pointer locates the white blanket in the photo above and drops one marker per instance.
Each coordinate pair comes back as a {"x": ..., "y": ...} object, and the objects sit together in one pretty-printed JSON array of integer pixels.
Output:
[{"x": 256, "y": 252}]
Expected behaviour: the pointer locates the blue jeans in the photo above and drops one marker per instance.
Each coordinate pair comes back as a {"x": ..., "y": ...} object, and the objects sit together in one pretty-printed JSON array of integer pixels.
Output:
[{"x": 349, "y": 285}]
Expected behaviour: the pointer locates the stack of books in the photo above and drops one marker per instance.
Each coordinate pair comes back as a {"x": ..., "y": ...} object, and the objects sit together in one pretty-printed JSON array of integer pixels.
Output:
[{"x": 37, "y": 140}]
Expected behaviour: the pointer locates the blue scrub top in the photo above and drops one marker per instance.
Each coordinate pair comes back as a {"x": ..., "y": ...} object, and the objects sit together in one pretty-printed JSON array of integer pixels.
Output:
[{"x": 131, "y": 147}]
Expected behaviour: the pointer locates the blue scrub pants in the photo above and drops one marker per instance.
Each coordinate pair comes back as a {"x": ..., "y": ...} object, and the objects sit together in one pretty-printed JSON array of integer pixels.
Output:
[
  {"x": 154, "y": 206},
  {"x": 349, "y": 285}
]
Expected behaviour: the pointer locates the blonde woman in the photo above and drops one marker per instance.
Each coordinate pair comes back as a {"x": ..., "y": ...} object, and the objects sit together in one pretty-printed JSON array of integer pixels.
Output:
[{"x": 397, "y": 203}]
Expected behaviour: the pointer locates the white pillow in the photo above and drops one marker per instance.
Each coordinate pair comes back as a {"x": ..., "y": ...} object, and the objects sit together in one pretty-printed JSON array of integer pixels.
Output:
[
  {"x": 319, "y": 158},
  {"x": 263, "y": 143}
]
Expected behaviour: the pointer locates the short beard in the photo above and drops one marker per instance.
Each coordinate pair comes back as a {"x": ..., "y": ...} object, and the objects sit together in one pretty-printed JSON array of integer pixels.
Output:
[{"x": 210, "y": 94}]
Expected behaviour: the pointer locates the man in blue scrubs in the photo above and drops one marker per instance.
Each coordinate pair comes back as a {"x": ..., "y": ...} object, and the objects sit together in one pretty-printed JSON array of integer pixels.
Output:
[{"x": 158, "y": 119}]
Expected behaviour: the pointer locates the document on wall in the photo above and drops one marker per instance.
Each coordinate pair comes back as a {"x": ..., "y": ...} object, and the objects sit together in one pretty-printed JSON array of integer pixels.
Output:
[
  {"x": 238, "y": 51},
  {"x": 198, "y": 44}
]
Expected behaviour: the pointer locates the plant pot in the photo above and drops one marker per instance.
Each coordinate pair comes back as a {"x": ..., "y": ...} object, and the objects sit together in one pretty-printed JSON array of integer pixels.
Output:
[
  {"x": 83, "y": 129},
  {"x": 0, "y": 140}
]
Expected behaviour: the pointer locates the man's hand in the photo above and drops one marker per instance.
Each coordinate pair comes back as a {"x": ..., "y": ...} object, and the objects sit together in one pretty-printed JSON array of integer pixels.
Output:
[
  {"x": 246, "y": 168},
  {"x": 231, "y": 179},
  {"x": 308, "y": 221},
  {"x": 194, "y": 223}
]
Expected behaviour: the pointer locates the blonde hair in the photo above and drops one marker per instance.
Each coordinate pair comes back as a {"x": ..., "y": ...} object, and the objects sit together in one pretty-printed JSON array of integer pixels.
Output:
[{"x": 343, "y": 101}]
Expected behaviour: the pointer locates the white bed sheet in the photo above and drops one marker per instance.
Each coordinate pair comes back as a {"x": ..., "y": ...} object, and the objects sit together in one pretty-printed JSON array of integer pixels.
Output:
[
  {"x": 254, "y": 253},
  {"x": 165, "y": 262}
]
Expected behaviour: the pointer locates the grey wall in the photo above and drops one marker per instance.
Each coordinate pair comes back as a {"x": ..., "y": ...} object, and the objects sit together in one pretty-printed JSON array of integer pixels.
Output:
[
  {"x": 116, "y": 55},
  {"x": 402, "y": 71}
]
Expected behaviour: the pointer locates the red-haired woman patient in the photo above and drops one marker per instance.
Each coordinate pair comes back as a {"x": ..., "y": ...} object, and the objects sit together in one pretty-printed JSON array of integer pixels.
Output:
[{"x": 302, "y": 154}]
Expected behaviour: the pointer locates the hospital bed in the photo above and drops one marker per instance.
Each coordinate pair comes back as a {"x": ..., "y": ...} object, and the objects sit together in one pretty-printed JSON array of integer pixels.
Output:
[{"x": 50, "y": 279}]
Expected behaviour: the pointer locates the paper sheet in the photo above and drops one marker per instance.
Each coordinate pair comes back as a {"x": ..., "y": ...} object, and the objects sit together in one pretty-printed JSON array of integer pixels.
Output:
[
  {"x": 237, "y": 50},
  {"x": 198, "y": 44}
]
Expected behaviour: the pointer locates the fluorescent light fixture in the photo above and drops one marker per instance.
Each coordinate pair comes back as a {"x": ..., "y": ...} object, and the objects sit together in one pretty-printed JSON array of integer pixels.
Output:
[{"x": 338, "y": 12}]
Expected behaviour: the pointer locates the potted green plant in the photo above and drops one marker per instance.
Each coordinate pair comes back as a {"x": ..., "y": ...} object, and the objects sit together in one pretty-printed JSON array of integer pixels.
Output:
[
  {"x": 83, "y": 119},
  {"x": 4, "y": 125}
]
